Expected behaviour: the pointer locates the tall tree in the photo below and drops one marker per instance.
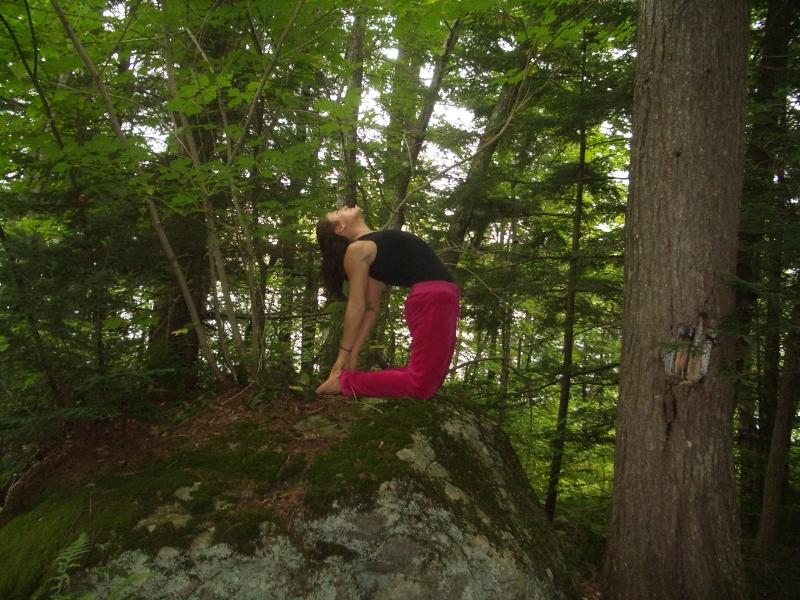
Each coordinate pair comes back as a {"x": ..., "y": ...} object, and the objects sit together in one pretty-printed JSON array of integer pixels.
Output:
[
  {"x": 781, "y": 436},
  {"x": 674, "y": 529},
  {"x": 348, "y": 182},
  {"x": 764, "y": 216}
]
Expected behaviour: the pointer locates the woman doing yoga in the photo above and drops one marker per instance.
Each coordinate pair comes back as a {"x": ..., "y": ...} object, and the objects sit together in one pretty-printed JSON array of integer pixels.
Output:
[{"x": 352, "y": 251}]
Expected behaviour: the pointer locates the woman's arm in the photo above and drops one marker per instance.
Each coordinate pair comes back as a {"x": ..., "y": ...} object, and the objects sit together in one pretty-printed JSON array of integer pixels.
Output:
[
  {"x": 367, "y": 322},
  {"x": 357, "y": 260}
]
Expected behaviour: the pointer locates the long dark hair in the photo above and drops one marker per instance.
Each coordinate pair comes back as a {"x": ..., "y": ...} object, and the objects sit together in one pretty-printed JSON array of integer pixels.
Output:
[{"x": 333, "y": 248}]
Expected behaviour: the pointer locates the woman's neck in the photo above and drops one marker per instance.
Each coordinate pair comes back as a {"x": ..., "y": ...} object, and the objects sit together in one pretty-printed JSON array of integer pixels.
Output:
[{"x": 357, "y": 232}]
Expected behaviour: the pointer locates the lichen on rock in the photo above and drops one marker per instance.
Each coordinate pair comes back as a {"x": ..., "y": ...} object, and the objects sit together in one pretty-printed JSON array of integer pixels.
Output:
[{"x": 400, "y": 499}]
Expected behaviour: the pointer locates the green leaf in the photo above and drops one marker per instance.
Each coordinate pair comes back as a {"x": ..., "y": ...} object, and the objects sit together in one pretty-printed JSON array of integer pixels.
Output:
[
  {"x": 19, "y": 70},
  {"x": 183, "y": 200},
  {"x": 334, "y": 308},
  {"x": 113, "y": 323},
  {"x": 176, "y": 104}
]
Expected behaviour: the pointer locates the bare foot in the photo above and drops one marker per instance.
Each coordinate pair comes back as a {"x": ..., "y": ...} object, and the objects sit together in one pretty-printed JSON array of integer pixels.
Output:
[{"x": 331, "y": 386}]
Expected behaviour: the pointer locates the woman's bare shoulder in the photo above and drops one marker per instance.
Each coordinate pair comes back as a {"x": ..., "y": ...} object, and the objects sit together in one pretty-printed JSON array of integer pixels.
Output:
[{"x": 361, "y": 250}]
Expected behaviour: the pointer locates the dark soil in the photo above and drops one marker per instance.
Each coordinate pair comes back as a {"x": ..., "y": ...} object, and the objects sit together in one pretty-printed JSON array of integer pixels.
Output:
[{"x": 79, "y": 452}]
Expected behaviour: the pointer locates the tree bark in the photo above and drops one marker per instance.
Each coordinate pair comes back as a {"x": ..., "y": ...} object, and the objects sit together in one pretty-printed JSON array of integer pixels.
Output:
[
  {"x": 781, "y": 436},
  {"x": 674, "y": 529}
]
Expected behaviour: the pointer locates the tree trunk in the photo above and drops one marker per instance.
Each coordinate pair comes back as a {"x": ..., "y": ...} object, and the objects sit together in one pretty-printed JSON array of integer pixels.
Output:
[
  {"x": 348, "y": 183},
  {"x": 223, "y": 346},
  {"x": 210, "y": 217},
  {"x": 768, "y": 123},
  {"x": 506, "y": 327},
  {"x": 411, "y": 148},
  {"x": 781, "y": 436},
  {"x": 467, "y": 194},
  {"x": 471, "y": 374},
  {"x": 674, "y": 529},
  {"x": 772, "y": 346},
  {"x": 151, "y": 207},
  {"x": 309, "y": 323},
  {"x": 569, "y": 338}
]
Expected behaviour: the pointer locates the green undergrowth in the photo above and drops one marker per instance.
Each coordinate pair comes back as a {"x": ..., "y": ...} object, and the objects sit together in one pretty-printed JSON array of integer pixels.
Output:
[{"x": 232, "y": 469}]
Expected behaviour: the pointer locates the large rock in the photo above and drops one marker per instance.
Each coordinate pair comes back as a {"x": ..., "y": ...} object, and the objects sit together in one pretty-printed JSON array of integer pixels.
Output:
[{"x": 402, "y": 500}]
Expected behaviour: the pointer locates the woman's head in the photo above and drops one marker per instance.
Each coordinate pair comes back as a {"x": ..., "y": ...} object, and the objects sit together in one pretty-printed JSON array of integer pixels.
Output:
[
  {"x": 349, "y": 219},
  {"x": 333, "y": 248}
]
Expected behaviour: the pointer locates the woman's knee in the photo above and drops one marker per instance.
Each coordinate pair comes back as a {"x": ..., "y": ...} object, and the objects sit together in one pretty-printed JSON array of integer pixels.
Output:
[{"x": 425, "y": 389}]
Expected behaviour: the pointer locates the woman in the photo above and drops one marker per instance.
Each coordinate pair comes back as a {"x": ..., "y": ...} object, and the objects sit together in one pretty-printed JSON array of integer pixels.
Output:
[{"x": 364, "y": 257}]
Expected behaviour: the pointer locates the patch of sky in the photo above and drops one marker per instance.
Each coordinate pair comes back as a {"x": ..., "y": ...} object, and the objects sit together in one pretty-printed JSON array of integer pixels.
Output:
[
  {"x": 618, "y": 53},
  {"x": 457, "y": 116},
  {"x": 426, "y": 73},
  {"x": 390, "y": 53},
  {"x": 504, "y": 45},
  {"x": 610, "y": 130},
  {"x": 155, "y": 139},
  {"x": 443, "y": 158},
  {"x": 622, "y": 176},
  {"x": 115, "y": 11}
]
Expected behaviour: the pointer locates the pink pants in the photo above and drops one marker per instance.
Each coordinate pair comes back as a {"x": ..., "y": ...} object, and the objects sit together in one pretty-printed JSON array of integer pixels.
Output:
[{"x": 431, "y": 312}]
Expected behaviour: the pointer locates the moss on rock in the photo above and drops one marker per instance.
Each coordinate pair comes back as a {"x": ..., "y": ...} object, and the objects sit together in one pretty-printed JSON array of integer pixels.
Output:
[{"x": 371, "y": 497}]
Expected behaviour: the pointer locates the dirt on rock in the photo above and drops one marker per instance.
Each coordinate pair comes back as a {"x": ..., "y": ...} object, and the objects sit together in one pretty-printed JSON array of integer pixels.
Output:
[{"x": 76, "y": 453}]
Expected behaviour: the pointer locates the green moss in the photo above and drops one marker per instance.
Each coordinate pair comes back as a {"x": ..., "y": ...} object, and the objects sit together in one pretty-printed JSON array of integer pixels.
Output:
[
  {"x": 292, "y": 467},
  {"x": 203, "y": 500},
  {"x": 30, "y": 543},
  {"x": 234, "y": 461},
  {"x": 249, "y": 434},
  {"x": 355, "y": 467},
  {"x": 243, "y": 533},
  {"x": 164, "y": 535}
]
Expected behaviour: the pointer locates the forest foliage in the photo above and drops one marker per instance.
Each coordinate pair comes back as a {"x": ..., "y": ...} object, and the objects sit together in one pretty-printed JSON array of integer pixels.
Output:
[{"x": 498, "y": 130}]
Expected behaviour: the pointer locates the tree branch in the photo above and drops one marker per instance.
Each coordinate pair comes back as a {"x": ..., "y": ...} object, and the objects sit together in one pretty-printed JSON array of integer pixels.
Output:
[
  {"x": 162, "y": 236},
  {"x": 263, "y": 81}
]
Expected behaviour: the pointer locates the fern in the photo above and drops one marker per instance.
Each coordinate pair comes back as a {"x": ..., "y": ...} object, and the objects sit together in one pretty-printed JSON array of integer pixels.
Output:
[{"x": 67, "y": 559}]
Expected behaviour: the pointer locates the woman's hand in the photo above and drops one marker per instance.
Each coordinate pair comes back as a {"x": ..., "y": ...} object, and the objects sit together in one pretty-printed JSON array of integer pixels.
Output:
[{"x": 351, "y": 364}]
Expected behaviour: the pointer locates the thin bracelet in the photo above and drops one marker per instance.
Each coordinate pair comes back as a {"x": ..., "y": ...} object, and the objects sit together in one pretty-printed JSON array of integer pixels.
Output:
[{"x": 345, "y": 349}]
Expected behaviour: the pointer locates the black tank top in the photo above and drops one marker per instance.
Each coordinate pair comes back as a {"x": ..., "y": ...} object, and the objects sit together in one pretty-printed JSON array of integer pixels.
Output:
[{"x": 404, "y": 259}]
